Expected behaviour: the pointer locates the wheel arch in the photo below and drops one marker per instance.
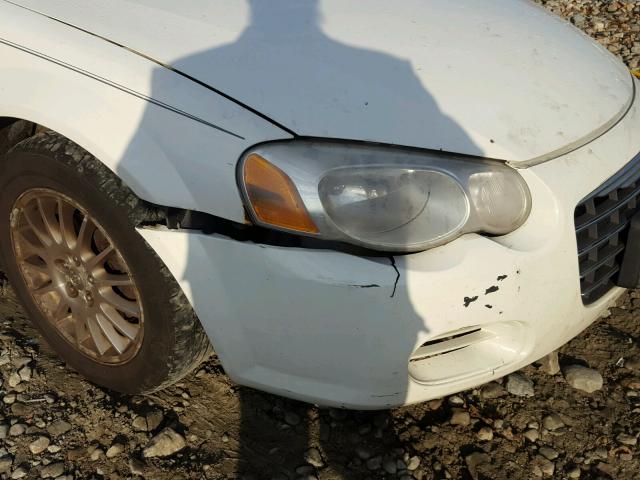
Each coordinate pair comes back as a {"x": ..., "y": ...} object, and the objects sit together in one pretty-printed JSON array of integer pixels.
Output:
[{"x": 14, "y": 130}]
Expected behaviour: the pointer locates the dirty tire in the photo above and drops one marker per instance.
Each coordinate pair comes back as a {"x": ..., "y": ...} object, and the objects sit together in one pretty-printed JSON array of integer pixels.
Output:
[{"x": 174, "y": 342}]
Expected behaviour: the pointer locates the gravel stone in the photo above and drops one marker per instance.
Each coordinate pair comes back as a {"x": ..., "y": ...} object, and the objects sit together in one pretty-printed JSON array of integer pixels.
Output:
[
  {"x": 76, "y": 454},
  {"x": 164, "y": 444},
  {"x": 626, "y": 439},
  {"x": 632, "y": 363},
  {"x": 292, "y": 418},
  {"x": 548, "y": 453},
  {"x": 115, "y": 450},
  {"x": 552, "y": 422},
  {"x": 532, "y": 435},
  {"x": 550, "y": 364},
  {"x": 53, "y": 470},
  {"x": 573, "y": 472},
  {"x": 313, "y": 457},
  {"x": 59, "y": 427},
  {"x": 96, "y": 455},
  {"x": 546, "y": 466},
  {"x": 154, "y": 419},
  {"x": 492, "y": 390},
  {"x": 362, "y": 452},
  {"x": 39, "y": 445},
  {"x": 19, "y": 472},
  {"x": 137, "y": 467},
  {"x": 6, "y": 462},
  {"x": 413, "y": 463},
  {"x": 140, "y": 423},
  {"x": 14, "y": 380},
  {"x": 374, "y": 463},
  {"x": 460, "y": 417},
  {"x": 519, "y": 385},
  {"x": 583, "y": 378},
  {"x": 25, "y": 373},
  {"x": 474, "y": 460},
  {"x": 485, "y": 434},
  {"x": 390, "y": 466},
  {"x": 17, "y": 429},
  {"x": 305, "y": 470}
]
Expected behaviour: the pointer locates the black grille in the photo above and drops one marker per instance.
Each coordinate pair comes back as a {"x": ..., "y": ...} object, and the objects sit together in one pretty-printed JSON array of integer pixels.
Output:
[{"x": 602, "y": 225}]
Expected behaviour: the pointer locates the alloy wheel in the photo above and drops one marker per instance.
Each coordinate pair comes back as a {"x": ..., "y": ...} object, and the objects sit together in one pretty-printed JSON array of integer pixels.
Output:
[{"x": 77, "y": 276}]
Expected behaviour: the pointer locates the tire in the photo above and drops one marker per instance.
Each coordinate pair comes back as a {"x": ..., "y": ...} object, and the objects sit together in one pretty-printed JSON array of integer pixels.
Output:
[{"x": 169, "y": 340}]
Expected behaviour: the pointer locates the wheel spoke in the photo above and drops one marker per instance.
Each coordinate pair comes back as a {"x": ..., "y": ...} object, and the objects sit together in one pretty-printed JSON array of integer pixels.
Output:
[
  {"x": 47, "y": 215},
  {"x": 99, "y": 258},
  {"x": 87, "y": 228},
  {"x": 68, "y": 326},
  {"x": 48, "y": 287},
  {"x": 45, "y": 239},
  {"x": 115, "y": 339},
  {"x": 114, "y": 280},
  {"x": 42, "y": 269},
  {"x": 128, "y": 307},
  {"x": 65, "y": 220},
  {"x": 100, "y": 341},
  {"x": 128, "y": 329},
  {"x": 62, "y": 310},
  {"x": 27, "y": 247},
  {"x": 81, "y": 332}
]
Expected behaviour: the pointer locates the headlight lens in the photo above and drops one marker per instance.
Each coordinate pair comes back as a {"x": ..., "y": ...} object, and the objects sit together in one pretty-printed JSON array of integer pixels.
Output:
[
  {"x": 383, "y": 198},
  {"x": 393, "y": 206}
]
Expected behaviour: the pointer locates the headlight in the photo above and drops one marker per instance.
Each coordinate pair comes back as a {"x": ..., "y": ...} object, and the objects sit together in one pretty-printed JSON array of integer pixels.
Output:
[{"x": 383, "y": 198}]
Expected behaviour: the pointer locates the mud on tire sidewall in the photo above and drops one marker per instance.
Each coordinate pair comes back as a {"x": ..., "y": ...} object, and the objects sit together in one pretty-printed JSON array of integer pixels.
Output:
[{"x": 150, "y": 368}]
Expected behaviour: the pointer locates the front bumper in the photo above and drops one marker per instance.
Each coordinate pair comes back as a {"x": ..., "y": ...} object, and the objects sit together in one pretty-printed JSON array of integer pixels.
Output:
[{"x": 337, "y": 329}]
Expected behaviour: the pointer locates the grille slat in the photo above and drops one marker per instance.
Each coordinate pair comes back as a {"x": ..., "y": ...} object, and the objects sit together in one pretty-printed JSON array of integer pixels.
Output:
[
  {"x": 601, "y": 286},
  {"x": 602, "y": 226},
  {"x": 613, "y": 207},
  {"x": 591, "y": 244},
  {"x": 589, "y": 266}
]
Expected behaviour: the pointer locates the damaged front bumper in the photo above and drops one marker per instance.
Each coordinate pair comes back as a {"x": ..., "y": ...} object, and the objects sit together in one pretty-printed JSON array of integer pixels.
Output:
[{"x": 347, "y": 331}]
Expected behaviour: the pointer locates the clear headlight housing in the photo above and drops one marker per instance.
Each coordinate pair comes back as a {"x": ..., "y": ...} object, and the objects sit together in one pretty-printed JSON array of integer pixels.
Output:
[{"x": 383, "y": 198}]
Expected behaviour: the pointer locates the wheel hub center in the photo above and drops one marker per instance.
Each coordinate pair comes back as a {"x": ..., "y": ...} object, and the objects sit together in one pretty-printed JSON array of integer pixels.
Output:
[{"x": 78, "y": 281}]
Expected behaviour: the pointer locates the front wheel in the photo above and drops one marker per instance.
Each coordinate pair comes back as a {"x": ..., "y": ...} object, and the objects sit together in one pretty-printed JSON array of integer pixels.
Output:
[{"x": 90, "y": 283}]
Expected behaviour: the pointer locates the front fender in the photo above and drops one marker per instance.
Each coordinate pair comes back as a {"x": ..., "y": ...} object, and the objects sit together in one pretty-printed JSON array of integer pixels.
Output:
[{"x": 172, "y": 141}]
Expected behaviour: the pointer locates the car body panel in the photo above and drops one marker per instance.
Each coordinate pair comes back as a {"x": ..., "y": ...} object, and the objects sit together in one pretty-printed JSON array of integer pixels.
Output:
[
  {"x": 502, "y": 79},
  {"x": 175, "y": 145},
  {"x": 338, "y": 329}
]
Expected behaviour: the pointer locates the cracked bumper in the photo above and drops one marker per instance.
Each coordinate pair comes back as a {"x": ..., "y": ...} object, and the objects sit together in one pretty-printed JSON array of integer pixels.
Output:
[
  {"x": 323, "y": 326},
  {"x": 337, "y": 329}
]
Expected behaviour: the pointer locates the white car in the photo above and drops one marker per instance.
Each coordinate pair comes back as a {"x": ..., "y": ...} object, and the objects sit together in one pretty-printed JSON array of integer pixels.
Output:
[{"x": 356, "y": 204}]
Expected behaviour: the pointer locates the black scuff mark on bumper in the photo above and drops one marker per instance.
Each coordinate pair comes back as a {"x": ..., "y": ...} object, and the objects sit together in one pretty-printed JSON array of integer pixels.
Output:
[
  {"x": 395, "y": 285},
  {"x": 502, "y": 277},
  {"x": 373, "y": 285},
  {"x": 491, "y": 289},
  {"x": 469, "y": 300}
]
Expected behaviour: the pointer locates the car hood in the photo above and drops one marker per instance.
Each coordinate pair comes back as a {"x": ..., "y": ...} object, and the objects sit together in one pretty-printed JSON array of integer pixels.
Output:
[{"x": 501, "y": 79}]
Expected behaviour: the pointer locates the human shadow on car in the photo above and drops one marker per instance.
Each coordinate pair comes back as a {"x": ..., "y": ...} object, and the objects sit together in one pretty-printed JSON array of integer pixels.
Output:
[{"x": 280, "y": 438}]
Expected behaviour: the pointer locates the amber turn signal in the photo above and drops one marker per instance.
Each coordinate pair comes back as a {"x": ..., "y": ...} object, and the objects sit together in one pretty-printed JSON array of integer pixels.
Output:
[{"x": 273, "y": 196}]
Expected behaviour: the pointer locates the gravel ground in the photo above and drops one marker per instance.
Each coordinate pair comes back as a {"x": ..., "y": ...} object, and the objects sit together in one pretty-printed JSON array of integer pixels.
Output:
[{"x": 580, "y": 422}]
